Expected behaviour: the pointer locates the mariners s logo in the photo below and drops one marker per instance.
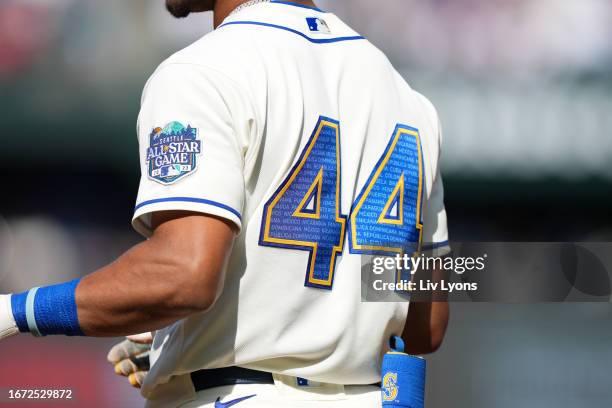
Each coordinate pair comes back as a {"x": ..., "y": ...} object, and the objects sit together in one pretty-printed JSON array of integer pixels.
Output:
[
  {"x": 172, "y": 152},
  {"x": 389, "y": 387}
]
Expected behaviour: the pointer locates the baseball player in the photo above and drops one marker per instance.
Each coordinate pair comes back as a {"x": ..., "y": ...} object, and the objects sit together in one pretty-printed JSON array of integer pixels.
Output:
[{"x": 275, "y": 153}]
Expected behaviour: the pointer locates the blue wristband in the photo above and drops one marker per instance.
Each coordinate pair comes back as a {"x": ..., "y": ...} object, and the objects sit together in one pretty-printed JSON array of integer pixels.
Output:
[
  {"x": 18, "y": 304},
  {"x": 48, "y": 310},
  {"x": 403, "y": 378},
  {"x": 30, "y": 314}
]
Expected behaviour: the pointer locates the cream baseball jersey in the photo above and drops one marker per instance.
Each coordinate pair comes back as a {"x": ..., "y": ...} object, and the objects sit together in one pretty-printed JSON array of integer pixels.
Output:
[{"x": 292, "y": 126}]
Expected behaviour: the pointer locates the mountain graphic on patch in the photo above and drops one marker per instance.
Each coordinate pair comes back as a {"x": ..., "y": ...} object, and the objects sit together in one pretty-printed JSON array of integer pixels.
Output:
[{"x": 173, "y": 128}]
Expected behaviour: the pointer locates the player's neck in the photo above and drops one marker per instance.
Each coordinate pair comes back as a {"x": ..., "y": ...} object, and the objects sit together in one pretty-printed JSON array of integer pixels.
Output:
[{"x": 223, "y": 8}]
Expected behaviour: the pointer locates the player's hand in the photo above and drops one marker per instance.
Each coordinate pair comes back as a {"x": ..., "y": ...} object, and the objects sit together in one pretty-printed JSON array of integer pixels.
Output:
[{"x": 131, "y": 358}]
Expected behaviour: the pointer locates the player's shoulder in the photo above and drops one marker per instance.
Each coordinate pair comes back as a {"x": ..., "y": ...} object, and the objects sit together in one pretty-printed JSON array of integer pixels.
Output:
[
  {"x": 431, "y": 115},
  {"x": 214, "y": 54},
  {"x": 215, "y": 47},
  {"x": 427, "y": 105},
  {"x": 414, "y": 98},
  {"x": 211, "y": 59}
]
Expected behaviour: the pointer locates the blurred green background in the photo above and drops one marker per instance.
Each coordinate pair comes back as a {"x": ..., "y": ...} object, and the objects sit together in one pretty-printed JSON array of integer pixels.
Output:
[{"x": 524, "y": 91}]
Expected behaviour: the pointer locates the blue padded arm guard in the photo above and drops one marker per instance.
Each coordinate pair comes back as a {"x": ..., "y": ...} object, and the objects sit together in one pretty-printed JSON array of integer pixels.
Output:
[
  {"x": 47, "y": 310},
  {"x": 403, "y": 378}
]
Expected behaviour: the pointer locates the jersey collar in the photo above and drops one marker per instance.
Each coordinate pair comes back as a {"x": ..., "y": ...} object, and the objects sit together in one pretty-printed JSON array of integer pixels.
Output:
[{"x": 289, "y": 3}]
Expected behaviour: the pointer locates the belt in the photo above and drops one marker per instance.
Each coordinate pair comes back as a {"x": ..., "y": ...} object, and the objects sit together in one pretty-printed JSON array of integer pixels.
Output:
[{"x": 219, "y": 377}]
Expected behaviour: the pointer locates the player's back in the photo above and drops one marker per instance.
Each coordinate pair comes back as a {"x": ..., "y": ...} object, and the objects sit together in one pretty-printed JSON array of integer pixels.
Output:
[{"x": 324, "y": 154}]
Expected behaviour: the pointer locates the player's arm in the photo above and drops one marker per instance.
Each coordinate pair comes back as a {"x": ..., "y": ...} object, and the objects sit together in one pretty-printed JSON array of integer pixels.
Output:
[
  {"x": 428, "y": 316},
  {"x": 176, "y": 273},
  {"x": 427, "y": 320},
  {"x": 193, "y": 130}
]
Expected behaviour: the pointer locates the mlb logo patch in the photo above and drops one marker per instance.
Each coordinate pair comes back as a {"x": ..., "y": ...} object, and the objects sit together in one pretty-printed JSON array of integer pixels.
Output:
[
  {"x": 317, "y": 25},
  {"x": 172, "y": 152}
]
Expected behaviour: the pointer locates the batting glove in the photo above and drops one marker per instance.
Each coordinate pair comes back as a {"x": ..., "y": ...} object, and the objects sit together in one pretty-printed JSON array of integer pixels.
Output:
[
  {"x": 131, "y": 358},
  {"x": 8, "y": 327}
]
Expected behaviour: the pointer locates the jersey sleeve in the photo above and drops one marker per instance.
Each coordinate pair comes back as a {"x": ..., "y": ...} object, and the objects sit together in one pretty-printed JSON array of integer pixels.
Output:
[
  {"x": 192, "y": 132},
  {"x": 435, "y": 229}
]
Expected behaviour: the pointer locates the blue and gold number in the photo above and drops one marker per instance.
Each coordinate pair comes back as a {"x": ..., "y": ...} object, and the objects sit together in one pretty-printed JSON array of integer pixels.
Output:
[
  {"x": 304, "y": 213},
  {"x": 386, "y": 216}
]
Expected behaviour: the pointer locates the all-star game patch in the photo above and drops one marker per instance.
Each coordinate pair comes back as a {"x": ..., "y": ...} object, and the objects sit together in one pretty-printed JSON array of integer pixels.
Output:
[{"x": 172, "y": 152}]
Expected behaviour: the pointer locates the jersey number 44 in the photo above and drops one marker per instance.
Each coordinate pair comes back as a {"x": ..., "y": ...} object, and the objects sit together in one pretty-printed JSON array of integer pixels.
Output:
[{"x": 305, "y": 213}]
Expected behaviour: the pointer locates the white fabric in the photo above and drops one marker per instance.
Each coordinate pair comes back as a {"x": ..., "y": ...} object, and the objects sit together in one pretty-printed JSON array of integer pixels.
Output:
[
  {"x": 286, "y": 395},
  {"x": 8, "y": 327},
  {"x": 255, "y": 93}
]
